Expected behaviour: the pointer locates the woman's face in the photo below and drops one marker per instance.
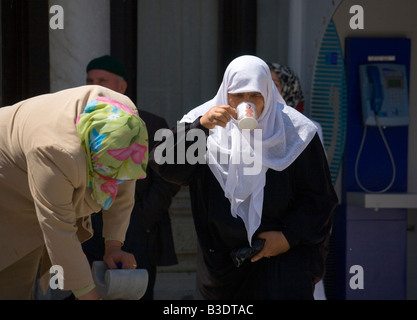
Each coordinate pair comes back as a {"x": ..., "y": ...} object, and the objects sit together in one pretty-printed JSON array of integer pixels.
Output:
[{"x": 255, "y": 97}]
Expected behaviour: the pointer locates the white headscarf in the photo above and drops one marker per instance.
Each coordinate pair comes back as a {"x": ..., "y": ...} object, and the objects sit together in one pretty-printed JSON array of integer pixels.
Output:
[{"x": 285, "y": 134}]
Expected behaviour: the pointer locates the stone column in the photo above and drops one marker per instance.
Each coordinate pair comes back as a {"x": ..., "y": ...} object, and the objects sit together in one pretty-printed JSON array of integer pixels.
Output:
[{"x": 85, "y": 35}]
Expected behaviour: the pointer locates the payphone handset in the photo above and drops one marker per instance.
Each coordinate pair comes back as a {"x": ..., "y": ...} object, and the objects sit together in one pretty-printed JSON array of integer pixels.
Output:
[
  {"x": 384, "y": 96},
  {"x": 384, "y": 92}
]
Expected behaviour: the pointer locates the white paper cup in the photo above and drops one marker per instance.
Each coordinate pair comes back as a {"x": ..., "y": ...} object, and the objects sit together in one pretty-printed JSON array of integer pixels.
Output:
[{"x": 247, "y": 116}]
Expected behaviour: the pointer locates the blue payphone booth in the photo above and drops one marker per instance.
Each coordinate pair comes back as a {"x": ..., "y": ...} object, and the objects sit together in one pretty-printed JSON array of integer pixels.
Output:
[{"x": 371, "y": 225}]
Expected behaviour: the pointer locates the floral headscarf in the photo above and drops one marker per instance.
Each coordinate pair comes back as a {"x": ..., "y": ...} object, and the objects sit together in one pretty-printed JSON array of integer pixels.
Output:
[{"x": 115, "y": 141}]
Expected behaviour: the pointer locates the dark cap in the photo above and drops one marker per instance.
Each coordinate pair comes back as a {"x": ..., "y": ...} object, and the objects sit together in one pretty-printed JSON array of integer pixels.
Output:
[{"x": 108, "y": 63}]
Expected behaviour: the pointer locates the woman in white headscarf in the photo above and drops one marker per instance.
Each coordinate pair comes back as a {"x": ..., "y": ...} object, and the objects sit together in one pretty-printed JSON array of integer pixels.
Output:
[{"x": 281, "y": 202}]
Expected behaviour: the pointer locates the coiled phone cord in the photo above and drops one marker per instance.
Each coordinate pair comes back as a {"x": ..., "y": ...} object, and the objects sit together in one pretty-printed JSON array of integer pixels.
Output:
[{"x": 389, "y": 153}]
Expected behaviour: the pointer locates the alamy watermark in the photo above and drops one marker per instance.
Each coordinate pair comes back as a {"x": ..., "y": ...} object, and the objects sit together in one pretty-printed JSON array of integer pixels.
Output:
[
  {"x": 357, "y": 21},
  {"x": 357, "y": 280},
  {"x": 57, "y": 277},
  {"x": 250, "y": 157},
  {"x": 57, "y": 20}
]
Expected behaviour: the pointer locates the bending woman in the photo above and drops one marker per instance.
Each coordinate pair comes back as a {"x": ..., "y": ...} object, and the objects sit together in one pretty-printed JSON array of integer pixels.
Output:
[{"x": 64, "y": 156}]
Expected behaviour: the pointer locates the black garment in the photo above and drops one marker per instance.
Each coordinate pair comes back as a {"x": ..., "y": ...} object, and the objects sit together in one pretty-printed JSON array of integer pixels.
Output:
[
  {"x": 299, "y": 201},
  {"x": 149, "y": 235}
]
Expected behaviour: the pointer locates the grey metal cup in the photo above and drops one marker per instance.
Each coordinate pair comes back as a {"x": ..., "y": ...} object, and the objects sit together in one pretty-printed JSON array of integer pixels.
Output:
[
  {"x": 247, "y": 116},
  {"x": 119, "y": 284}
]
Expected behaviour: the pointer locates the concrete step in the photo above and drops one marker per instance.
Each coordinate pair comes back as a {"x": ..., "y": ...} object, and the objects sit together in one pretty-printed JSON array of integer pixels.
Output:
[{"x": 175, "y": 286}]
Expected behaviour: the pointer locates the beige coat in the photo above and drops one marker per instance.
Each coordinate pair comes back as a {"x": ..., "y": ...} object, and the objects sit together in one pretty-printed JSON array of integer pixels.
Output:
[{"x": 44, "y": 198}]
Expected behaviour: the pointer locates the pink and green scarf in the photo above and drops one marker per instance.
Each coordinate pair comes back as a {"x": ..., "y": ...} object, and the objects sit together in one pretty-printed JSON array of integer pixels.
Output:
[{"x": 115, "y": 141}]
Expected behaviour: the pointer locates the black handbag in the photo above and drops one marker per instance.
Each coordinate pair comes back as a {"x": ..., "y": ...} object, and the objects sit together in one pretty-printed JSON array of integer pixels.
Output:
[{"x": 239, "y": 256}]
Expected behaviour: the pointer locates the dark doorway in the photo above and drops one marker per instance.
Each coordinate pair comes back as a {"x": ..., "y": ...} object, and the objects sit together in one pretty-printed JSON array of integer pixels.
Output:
[
  {"x": 237, "y": 30},
  {"x": 123, "y": 26},
  {"x": 25, "y": 49}
]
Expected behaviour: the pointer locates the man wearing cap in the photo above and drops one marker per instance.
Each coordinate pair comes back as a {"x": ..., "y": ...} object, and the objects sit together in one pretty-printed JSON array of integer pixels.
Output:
[
  {"x": 107, "y": 71},
  {"x": 149, "y": 236}
]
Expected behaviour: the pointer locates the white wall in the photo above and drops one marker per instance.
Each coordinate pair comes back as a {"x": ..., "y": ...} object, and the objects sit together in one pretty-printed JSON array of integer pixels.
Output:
[
  {"x": 86, "y": 35},
  {"x": 177, "y": 55},
  {"x": 308, "y": 22},
  {"x": 272, "y": 30}
]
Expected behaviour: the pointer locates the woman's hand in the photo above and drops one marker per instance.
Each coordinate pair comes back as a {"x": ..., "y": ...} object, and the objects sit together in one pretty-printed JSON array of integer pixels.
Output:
[
  {"x": 114, "y": 254},
  {"x": 275, "y": 244},
  {"x": 218, "y": 116}
]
